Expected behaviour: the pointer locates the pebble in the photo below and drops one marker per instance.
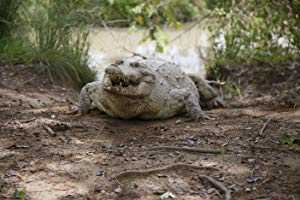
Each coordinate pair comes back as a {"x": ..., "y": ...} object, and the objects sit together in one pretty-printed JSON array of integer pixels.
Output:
[
  {"x": 251, "y": 160},
  {"x": 211, "y": 190},
  {"x": 100, "y": 173},
  {"x": 178, "y": 121},
  {"x": 134, "y": 159},
  {"x": 118, "y": 190}
]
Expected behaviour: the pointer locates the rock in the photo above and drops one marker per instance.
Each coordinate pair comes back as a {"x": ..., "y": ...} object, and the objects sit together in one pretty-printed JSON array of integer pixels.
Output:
[
  {"x": 100, "y": 172},
  {"x": 118, "y": 190},
  {"x": 167, "y": 195}
]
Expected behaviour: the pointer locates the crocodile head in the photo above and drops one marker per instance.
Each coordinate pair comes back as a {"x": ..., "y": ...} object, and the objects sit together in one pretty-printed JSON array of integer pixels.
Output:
[{"x": 129, "y": 78}]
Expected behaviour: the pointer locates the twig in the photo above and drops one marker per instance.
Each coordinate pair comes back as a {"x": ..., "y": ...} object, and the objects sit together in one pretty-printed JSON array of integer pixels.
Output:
[
  {"x": 196, "y": 23},
  {"x": 217, "y": 83},
  {"x": 149, "y": 171},
  {"x": 49, "y": 130},
  {"x": 218, "y": 185},
  {"x": 187, "y": 149},
  {"x": 115, "y": 38},
  {"x": 8, "y": 121},
  {"x": 117, "y": 21},
  {"x": 264, "y": 126},
  {"x": 28, "y": 120}
]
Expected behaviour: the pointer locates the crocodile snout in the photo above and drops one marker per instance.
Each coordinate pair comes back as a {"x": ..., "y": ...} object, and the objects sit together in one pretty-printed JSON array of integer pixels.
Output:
[
  {"x": 114, "y": 73},
  {"x": 120, "y": 78}
]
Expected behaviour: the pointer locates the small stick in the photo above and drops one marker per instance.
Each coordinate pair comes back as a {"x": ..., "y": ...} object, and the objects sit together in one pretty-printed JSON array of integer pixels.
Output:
[
  {"x": 187, "y": 149},
  {"x": 28, "y": 120},
  {"x": 264, "y": 126},
  {"x": 6, "y": 123},
  {"x": 49, "y": 130},
  {"x": 159, "y": 169},
  {"x": 218, "y": 83},
  {"x": 218, "y": 185}
]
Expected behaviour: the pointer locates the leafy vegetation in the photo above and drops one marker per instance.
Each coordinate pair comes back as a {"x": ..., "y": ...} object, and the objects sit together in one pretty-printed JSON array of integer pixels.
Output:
[
  {"x": 19, "y": 194},
  {"x": 256, "y": 44},
  {"x": 143, "y": 13},
  {"x": 255, "y": 31},
  {"x": 152, "y": 15},
  {"x": 8, "y": 17},
  {"x": 52, "y": 35},
  {"x": 59, "y": 44},
  {"x": 8, "y": 10},
  {"x": 51, "y": 40}
]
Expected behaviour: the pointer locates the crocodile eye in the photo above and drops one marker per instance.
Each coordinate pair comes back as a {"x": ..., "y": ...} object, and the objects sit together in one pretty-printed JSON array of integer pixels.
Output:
[{"x": 119, "y": 62}]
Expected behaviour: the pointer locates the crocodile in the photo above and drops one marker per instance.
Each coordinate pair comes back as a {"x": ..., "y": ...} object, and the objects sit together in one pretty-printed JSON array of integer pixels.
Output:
[{"x": 146, "y": 88}]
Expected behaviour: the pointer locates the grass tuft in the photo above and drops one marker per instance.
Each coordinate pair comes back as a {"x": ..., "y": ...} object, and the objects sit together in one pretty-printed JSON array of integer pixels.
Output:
[{"x": 50, "y": 39}]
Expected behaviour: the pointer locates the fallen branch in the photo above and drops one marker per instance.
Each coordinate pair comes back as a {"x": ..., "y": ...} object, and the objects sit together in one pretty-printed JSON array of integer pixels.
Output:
[
  {"x": 264, "y": 126},
  {"x": 147, "y": 172},
  {"x": 187, "y": 149},
  {"x": 55, "y": 109},
  {"x": 218, "y": 185},
  {"x": 50, "y": 125}
]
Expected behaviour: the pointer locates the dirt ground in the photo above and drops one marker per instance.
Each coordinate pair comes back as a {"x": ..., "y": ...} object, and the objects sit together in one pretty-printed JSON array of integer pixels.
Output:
[{"x": 46, "y": 153}]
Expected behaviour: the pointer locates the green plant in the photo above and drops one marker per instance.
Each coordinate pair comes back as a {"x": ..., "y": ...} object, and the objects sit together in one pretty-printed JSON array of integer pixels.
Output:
[
  {"x": 150, "y": 14},
  {"x": 254, "y": 31},
  {"x": 286, "y": 139},
  {"x": 232, "y": 89},
  {"x": 8, "y": 14},
  {"x": 12, "y": 51},
  {"x": 9, "y": 47},
  {"x": 19, "y": 194},
  {"x": 52, "y": 39},
  {"x": 126, "y": 12}
]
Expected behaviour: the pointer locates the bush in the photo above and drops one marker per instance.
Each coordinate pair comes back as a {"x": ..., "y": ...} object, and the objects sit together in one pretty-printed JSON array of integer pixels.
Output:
[
  {"x": 59, "y": 44},
  {"x": 8, "y": 13},
  {"x": 126, "y": 12},
  {"x": 9, "y": 47},
  {"x": 51, "y": 39},
  {"x": 150, "y": 14},
  {"x": 255, "y": 31}
]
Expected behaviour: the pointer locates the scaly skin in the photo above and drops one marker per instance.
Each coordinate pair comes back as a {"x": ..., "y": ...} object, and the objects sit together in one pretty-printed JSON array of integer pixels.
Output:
[{"x": 147, "y": 89}]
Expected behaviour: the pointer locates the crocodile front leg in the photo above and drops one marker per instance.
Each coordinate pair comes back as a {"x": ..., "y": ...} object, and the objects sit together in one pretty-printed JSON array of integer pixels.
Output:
[{"x": 191, "y": 103}]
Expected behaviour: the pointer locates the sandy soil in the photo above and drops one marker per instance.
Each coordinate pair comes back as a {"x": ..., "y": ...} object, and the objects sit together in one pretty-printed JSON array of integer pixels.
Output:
[{"x": 51, "y": 154}]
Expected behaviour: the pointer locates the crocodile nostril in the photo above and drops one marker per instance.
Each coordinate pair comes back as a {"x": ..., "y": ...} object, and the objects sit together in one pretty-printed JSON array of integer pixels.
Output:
[{"x": 135, "y": 64}]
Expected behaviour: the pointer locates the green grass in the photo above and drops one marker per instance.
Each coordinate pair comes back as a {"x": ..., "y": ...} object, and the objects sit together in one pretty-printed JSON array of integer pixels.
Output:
[
  {"x": 8, "y": 14},
  {"x": 49, "y": 38},
  {"x": 67, "y": 62}
]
